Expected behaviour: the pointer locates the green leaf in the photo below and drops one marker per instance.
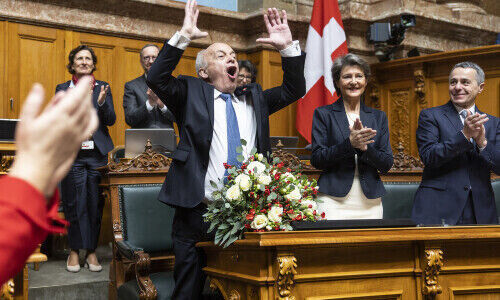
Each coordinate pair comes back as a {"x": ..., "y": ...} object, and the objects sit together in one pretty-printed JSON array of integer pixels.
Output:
[
  {"x": 223, "y": 226},
  {"x": 239, "y": 149},
  {"x": 272, "y": 196},
  {"x": 226, "y": 236},
  {"x": 227, "y": 205},
  {"x": 276, "y": 160},
  {"x": 212, "y": 226},
  {"x": 213, "y": 184},
  {"x": 231, "y": 240},
  {"x": 254, "y": 150},
  {"x": 243, "y": 142},
  {"x": 261, "y": 187},
  {"x": 240, "y": 158}
]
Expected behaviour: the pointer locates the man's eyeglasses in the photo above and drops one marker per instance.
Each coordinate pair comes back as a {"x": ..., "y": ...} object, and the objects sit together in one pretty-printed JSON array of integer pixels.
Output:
[{"x": 147, "y": 58}]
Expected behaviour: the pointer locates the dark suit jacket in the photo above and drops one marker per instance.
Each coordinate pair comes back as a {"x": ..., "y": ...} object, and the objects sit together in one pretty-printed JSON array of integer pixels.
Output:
[
  {"x": 333, "y": 153},
  {"x": 136, "y": 113},
  {"x": 191, "y": 100},
  {"x": 106, "y": 114},
  {"x": 454, "y": 167}
]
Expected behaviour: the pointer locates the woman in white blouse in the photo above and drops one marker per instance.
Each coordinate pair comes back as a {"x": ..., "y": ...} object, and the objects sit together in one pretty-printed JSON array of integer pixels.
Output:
[{"x": 350, "y": 144}]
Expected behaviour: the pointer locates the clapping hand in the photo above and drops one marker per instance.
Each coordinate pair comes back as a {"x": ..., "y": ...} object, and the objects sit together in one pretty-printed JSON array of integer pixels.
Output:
[
  {"x": 48, "y": 141},
  {"x": 102, "y": 94},
  {"x": 361, "y": 136},
  {"x": 189, "y": 27},
  {"x": 280, "y": 36},
  {"x": 474, "y": 128},
  {"x": 152, "y": 98}
]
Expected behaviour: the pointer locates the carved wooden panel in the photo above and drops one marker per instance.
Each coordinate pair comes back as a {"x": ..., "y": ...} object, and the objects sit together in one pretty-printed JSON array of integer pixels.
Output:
[
  {"x": 491, "y": 292},
  {"x": 389, "y": 295},
  {"x": 400, "y": 118}
]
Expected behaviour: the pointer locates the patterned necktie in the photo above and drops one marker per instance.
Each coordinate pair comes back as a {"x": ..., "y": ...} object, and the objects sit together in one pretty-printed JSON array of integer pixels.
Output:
[
  {"x": 463, "y": 113},
  {"x": 233, "y": 132}
]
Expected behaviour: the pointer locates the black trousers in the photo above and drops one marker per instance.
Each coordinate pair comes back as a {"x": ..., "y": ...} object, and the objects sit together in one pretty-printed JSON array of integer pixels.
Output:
[
  {"x": 189, "y": 228},
  {"x": 82, "y": 200}
]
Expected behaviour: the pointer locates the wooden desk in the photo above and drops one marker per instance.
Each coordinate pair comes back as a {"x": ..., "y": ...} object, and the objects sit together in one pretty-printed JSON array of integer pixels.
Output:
[{"x": 405, "y": 263}]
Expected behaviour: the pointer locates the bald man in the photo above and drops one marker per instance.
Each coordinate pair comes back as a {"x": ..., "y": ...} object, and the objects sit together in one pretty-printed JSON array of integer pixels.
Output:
[{"x": 213, "y": 115}]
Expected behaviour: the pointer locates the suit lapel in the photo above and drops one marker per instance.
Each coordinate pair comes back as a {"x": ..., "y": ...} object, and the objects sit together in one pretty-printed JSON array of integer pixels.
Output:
[
  {"x": 95, "y": 93},
  {"x": 366, "y": 116},
  {"x": 452, "y": 115},
  {"x": 208, "y": 93},
  {"x": 143, "y": 86},
  {"x": 341, "y": 118},
  {"x": 257, "y": 109}
]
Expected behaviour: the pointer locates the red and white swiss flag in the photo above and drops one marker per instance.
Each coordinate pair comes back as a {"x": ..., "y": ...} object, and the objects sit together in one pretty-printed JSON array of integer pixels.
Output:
[{"x": 325, "y": 42}]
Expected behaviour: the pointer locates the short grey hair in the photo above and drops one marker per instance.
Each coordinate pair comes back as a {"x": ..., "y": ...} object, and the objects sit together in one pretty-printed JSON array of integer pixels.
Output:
[
  {"x": 201, "y": 62},
  {"x": 146, "y": 46},
  {"x": 348, "y": 60},
  {"x": 471, "y": 65}
]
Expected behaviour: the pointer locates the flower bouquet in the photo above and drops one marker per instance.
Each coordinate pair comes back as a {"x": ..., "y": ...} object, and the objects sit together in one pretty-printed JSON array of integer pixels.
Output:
[{"x": 259, "y": 196}]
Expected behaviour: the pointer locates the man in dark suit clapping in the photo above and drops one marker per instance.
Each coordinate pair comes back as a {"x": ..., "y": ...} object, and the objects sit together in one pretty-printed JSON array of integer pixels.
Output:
[
  {"x": 142, "y": 107},
  {"x": 459, "y": 146},
  {"x": 213, "y": 116}
]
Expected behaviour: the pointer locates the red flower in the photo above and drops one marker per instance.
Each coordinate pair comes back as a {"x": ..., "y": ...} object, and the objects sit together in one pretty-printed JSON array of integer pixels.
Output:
[
  {"x": 263, "y": 210},
  {"x": 247, "y": 226},
  {"x": 252, "y": 211},
  {"x": 314, "y": 212},
  {"x": 310, "y": 206},
  {"x": 288, "y": 170},
  {"x": 323, "y": 215},
  {"x": 250, "y": 217}
]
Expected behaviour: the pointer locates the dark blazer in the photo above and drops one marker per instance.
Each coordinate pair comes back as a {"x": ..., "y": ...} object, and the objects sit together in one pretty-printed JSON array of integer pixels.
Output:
[
  {"x": 191, "y": 100},
  {"x": 136, "y": 113},
  {"x": 333, "y": 153},
  {"x": 106, "y": 114},
  {"x": 454, "y": 167}
]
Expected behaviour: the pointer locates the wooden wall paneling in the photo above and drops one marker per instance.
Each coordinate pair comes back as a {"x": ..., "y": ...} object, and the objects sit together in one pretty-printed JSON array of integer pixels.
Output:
[
  {"x": 3, "y": 69},
  {"x": 34, "y": 53}
]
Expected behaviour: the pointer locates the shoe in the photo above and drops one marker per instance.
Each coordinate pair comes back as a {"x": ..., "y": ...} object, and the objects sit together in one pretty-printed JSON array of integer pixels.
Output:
[
  {"x": 72, "y": 269},
  {"x": 93, "y": 268}
]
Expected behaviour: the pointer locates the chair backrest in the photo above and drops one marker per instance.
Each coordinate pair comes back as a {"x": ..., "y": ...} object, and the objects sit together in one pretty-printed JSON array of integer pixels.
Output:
[
  {"x": 496, "y": 189},
  {"x": 146, "y": 222},
  {"x": 398, "y": 200}
]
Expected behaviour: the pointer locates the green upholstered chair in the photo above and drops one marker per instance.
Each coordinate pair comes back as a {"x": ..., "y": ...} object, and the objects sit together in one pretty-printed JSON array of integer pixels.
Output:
[
  {"x": 146, "y": 227},
  {"x": 496, "y": 190},
  {"x": 398, "y": 200}
]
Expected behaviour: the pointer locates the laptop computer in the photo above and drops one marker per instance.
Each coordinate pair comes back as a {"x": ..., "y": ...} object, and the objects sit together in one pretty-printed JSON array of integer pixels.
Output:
[
  {"x": 8, "y": 129},
  {"x": 162, "y": 139}
]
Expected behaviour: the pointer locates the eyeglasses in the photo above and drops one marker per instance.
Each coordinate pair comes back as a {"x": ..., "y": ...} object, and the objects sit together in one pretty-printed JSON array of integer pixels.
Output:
[
  {"x": 241, "y": 77},
  {"x": 147, "y": 58}
]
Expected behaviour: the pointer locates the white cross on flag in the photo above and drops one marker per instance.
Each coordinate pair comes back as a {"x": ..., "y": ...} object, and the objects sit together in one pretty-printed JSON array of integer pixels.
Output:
[{"x": 325, "y": 42}]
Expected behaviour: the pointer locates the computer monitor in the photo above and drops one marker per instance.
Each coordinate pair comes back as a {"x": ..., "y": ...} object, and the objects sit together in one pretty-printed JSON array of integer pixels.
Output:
[
  {"x": 162, "y": 139},
  {"x": 8, "y": 129}
]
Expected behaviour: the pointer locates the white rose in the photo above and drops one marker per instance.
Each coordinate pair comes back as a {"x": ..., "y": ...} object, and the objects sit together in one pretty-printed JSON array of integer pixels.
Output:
[
  {"x": 243, "y": 181},
  {"x": 233, "y": 193},
  {"x": 288, "y": 176},
  {"x": 259, "y": 222},
  {"x": 260, "y": 157},
  {"x": 264, "y": 179},
  {"x": 306, "y": 203},
  {"x": 274, "y": 214},
  {"x": 255, "y": 167},
  {"x": 294, "y": 195},
  {"x": 269, "y": 228}
]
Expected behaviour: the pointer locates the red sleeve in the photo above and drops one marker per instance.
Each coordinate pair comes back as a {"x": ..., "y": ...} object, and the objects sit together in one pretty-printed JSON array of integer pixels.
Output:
[{"x": 25, "y": 221}]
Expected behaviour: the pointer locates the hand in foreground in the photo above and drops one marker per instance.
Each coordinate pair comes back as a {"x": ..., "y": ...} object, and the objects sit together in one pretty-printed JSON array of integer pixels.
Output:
[
  {"x": 361, "y": 136},
  {"x": 474, "y": 127},
  {"x": 280, "y": 35},
  {"x": 102, "y": 94},
  {"x": 47, "y": 142},
  {"x": 189, "y": 27}
]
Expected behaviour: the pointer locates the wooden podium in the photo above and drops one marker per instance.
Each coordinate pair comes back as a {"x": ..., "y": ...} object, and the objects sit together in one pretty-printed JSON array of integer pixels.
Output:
[{"x": 393, "y": 263}]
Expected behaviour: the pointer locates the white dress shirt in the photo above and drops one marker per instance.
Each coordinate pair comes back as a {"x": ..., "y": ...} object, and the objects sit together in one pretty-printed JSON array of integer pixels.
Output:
[{"x": 247, "y": 123}]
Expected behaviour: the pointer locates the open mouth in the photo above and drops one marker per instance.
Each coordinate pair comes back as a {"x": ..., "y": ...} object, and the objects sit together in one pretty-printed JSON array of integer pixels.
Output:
[{"x": 231, "y": 72}]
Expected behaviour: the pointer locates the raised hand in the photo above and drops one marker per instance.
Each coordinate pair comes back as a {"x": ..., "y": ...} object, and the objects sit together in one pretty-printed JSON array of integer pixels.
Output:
[
  {"x": 102, "y": 94},
  {"x": 48, "y": 142},
  {"x": 189, "y": 27},
  {"x": 152, "y": 98},
  {"x": 361, "y": 136},
  {"x": 474, "y": 125},
  {"x": 280, "y": 36}
]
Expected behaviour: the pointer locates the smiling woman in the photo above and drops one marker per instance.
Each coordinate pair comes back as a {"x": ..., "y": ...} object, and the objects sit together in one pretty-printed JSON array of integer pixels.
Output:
[
  {"x": 80, "y": 189},
  {"x": 350, "y": 143}
]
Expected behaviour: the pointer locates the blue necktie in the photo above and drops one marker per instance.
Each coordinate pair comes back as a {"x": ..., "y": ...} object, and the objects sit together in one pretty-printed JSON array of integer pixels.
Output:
[{"x": 233, "y": 132}]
